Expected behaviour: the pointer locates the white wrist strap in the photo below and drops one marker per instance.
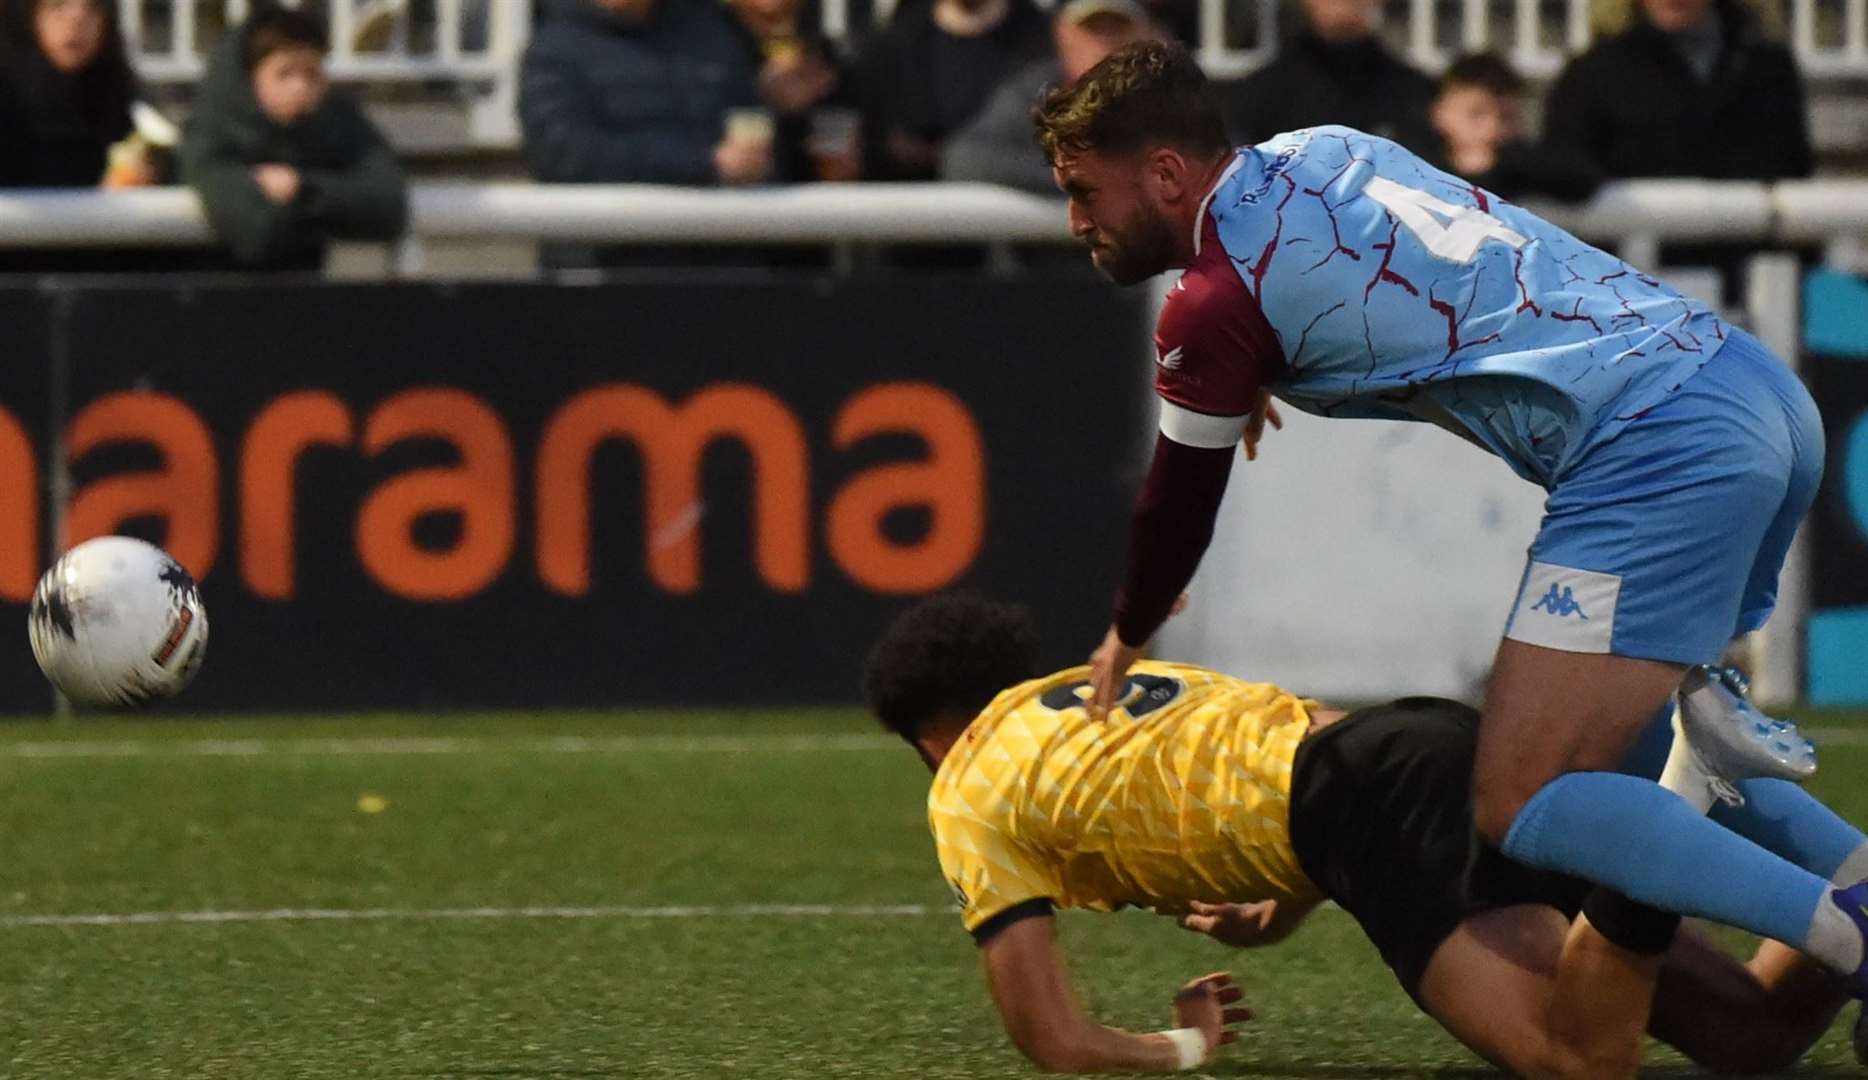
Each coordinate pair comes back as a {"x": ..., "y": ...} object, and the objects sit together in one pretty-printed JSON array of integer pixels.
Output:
[{"x": 1189, "y": 1047}]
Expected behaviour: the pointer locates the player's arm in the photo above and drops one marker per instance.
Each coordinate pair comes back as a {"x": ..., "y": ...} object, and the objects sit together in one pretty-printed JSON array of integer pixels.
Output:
[
  {"x": 1215, "y": 354},
  {"x": 1247, "y": 926},
  {"x": 1026, "y": 974}
]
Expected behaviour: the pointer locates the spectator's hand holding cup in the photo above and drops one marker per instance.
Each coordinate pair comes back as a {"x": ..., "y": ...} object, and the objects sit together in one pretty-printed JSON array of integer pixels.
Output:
[
  {"x": 280, "y": 183},
  {"x": 129, "y": 164},
  {"x": 744, "y": 156},
  {"x": 793, "y": 80}
]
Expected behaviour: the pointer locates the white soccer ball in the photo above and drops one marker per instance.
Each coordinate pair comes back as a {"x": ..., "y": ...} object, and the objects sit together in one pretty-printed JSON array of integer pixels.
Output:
[{"x": 116, "y": 621}]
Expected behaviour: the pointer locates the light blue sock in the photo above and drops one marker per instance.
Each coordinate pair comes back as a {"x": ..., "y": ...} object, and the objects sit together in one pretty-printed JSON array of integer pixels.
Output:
[
  {"x": 1650, "y": 845},
  {"x": 1778, "y": 816}
]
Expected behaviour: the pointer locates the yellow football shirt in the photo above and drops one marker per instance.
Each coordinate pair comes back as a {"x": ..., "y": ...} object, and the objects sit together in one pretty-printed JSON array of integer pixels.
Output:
[{"x": 1181, "y": 794}]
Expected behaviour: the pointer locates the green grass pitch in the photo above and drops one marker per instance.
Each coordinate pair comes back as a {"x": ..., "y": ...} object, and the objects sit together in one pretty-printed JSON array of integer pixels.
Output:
[{"x": 729, "y": 895}]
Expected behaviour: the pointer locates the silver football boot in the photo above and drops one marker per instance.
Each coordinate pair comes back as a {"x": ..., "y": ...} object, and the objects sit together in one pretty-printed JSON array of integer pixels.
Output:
[{"x": 1730, "y": 740}]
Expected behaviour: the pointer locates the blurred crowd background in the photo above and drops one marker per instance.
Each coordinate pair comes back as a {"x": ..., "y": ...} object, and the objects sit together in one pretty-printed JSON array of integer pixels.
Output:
[{"x": 733, "y": 93}]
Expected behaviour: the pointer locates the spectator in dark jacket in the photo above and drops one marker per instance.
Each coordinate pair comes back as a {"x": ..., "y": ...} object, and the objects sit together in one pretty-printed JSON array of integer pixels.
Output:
[
  {"x": 1479, "y": 117},
  {"x": 283, "y": 165},
  {"x": 1334, "y": 71},
  {"x": 999, "y": 146},
  {"x": 1692, "y": 89},
  {"x": 639, "y": 91},
  {"x": 932, "y": 71},
  {"x": 65, "y": 91}
]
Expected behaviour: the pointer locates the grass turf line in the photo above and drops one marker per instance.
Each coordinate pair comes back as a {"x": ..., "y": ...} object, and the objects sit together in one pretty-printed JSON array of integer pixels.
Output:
[{"x": 711, "y": 995}]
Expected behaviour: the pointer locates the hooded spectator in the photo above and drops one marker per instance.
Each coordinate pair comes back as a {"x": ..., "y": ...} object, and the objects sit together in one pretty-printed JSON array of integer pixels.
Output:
[
  {"x": 1334, "y": 71},
  {"x": 1479, "y": 116},
  {"x": 282, "y": 164}
]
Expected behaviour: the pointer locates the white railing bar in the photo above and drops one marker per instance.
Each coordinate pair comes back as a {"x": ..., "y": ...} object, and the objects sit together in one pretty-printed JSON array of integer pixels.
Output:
[
  {"x": 450, "y": 32},
  {"x": 1803, "y": 26},
  {"x": 130, "y": 22},
  {"x": 1800, "y": 211},
  {"x": 1476, "y": 25},
  {"x": 342, "y": 29},
  {"x": 1422, "y": 24},
  {"x": 1524, "y": 26},
  {"x": 1577, "y": 38},
  {"x": 1855, "y": 32},
  {"x": 182, "y": 28}
]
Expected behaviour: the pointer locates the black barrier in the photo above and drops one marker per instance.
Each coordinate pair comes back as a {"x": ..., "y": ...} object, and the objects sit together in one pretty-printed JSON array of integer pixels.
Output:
[{"x": 504, "y": 495}]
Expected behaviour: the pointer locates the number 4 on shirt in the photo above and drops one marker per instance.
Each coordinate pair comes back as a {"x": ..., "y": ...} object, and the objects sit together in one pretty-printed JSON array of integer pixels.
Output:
[{"x": 1453, "y": 233}]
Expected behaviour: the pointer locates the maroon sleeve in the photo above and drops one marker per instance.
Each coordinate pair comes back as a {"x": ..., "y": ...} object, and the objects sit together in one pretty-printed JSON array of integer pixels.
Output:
[
  {"x": 1172, "y": 527},
  {"x": 1214, "y": 349},
  {"x": 1215, "y": 352}
]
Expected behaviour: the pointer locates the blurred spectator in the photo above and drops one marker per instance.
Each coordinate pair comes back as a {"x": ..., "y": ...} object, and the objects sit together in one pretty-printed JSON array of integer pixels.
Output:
[
  {"x": 65, "y": 94},
  {"x": 931, "y": 71},
  {"x": 998, "y": 146},
  {"x": 281, "y": 164},
  {"x": 800, "y": 80},
  {"x": 1481, "y": 124},
  {"x": 1691, "y": 89},
  {"x": 619, "y": 91},
  {"x": 1334, "y": 71}
]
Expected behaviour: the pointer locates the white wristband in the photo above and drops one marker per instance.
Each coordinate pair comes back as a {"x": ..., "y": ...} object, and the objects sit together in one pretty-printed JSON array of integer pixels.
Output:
[{"x": 1189, "y": 1047}]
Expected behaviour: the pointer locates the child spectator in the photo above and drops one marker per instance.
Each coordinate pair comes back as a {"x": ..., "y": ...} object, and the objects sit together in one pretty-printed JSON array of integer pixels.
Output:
[
  {"x": 1478, "y": 114},
  {"x": 283, "y": 165}
]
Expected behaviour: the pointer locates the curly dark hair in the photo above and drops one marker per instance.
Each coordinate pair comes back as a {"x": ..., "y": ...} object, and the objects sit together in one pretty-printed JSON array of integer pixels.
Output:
[
  {"x": 1145, "y": 93},
  {"x": 272, "y": 28},
  {"x": 1486, "y": 71},
  {"x": 949, "y": 654}
]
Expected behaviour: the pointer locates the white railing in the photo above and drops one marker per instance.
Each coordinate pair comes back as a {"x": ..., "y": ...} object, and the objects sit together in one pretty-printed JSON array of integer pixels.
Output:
[
  {"x": 1634, "y": 216},
  {"x": 1830, "y": 36},
  {"x": 476, "y": 43}
]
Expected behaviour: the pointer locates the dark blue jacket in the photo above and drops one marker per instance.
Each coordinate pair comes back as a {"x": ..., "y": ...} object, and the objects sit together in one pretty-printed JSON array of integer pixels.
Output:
[{"x": 607, "y": 100}]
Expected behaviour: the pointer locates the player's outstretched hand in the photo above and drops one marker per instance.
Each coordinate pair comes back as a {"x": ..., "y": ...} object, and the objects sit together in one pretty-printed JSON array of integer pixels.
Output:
[
  {"x": 1265, "y": 412},
  {"x": 1238, "y": 925},
  {"x": 1109, "y": 669},
  {"x": 1211, "y": 1004}
]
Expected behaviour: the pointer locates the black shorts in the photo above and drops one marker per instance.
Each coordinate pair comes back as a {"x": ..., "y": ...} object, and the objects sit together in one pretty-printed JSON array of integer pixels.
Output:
[{"x": 1381, "y": 821}]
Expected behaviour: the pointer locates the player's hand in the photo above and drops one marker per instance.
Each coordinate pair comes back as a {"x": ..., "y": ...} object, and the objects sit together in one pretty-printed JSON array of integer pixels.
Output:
[
  {"x": 1238, "y": 925},
  {"x": 1265, "y": 412},
  {"x": 280, "y": 183},
  {"x": 1211, "y": 1004},
  {"x": 1109, "y": 670}
]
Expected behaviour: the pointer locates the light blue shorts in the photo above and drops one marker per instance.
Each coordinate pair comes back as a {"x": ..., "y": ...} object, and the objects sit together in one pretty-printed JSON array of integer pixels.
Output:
[{"x": 1665, "y": 542}]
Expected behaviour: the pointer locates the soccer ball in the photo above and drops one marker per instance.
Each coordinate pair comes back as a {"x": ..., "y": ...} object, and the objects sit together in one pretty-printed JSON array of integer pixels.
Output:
[{"x": 116, "y": 621}]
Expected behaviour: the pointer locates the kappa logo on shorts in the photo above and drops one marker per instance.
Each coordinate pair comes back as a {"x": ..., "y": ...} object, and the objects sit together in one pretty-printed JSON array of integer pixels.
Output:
[
  {"x": 1561, "y": 604},
  {"x": 1562, "y": 607}
]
